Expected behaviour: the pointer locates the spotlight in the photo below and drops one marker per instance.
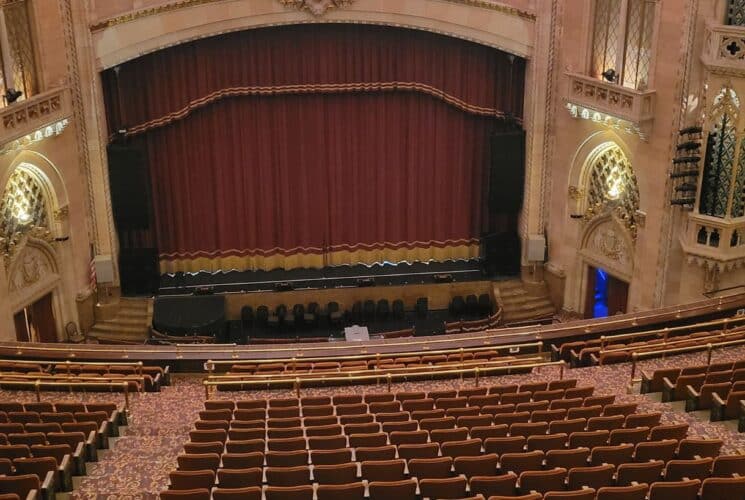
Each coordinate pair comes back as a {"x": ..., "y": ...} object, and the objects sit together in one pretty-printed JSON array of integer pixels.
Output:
[
  {"x": 12, "y": 95},
  {"x": 610, "y": 75}
]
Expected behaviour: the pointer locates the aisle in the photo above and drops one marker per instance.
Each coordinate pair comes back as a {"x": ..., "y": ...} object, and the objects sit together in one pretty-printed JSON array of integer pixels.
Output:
[{"x": 138, "y": 464}]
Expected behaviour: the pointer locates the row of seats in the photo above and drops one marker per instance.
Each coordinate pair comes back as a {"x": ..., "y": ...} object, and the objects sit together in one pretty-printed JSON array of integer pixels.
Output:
[
  {"x": 377, "y": 397},
  {"x": 678, "y": 390},
  {"x": 382, "y": 362},
  {"x": 554, "y": 484},
  {"x": 520, "y": 456},
  {"x": 43, "y": 444},
  {"x": 152, "y": 376},
  {"x": 654, "y": 381},
  {"x": 592, "y": 352}
]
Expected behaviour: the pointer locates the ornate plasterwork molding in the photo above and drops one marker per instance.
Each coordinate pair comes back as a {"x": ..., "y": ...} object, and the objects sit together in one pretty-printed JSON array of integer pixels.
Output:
[
  {"x": 310, "y": 5},
  {"x": 316, "y": 7}
]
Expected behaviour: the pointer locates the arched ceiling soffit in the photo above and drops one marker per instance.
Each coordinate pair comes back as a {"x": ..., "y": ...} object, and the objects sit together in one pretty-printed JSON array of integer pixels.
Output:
[{"x": 125, "y": 37}]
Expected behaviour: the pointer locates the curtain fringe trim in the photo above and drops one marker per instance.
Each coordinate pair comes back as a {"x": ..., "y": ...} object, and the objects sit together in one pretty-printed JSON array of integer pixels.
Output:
[
  {"x": 323, "y": 88},
  {"x": 258, "y": 261}
]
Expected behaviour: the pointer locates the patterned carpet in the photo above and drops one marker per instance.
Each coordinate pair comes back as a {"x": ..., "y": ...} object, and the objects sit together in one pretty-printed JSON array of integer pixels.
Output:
[{"x": 137, "y": 467}]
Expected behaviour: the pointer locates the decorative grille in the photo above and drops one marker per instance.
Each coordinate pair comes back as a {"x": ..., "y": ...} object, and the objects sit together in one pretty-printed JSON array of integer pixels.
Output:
[
  {"x": 736, "y": 12},
  {"x": 23, "y": 205},
  {"x": 638, "y": 44},
  {"x": 605, "y": 36},
  {"x": 612, "y": 184},
  {"x": 23, "y": 65},
  {"x": 720, "y": 156}
]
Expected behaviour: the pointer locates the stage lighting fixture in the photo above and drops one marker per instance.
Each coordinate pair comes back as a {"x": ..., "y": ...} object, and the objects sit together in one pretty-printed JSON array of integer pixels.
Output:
[
  {"x": 443, "y": 278},
  {"x": 363, "y": 282},
  {"x": 12, "y": 95},
  {"x": 283, "y": 286},
  {"x": 610, "y": 75}
]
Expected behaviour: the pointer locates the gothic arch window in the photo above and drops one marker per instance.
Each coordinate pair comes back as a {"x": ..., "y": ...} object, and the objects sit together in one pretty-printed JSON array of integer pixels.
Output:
[
  {"x": 612, "y": 186},
  {"x": 17, "y": 50},
  {"x": 24, "y": 204},
  {"x": 723, "y": 181},
  {"x": 622, "y": 40}
]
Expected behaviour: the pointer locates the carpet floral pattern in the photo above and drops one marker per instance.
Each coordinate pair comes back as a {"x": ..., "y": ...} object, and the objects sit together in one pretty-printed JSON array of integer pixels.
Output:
[{"x": 138, "y": 464}]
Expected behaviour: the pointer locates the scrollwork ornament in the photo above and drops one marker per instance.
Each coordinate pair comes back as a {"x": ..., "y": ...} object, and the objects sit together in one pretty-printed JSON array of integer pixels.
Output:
[{"x": 316, "y": 7}]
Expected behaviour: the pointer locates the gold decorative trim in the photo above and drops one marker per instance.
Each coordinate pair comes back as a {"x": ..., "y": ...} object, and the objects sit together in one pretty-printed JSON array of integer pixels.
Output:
[
  {"x": 152, "y": 11},
  {"x": 182, "y": 4},
  {"x": 323, "y": 88},
  {"x": 315, "y": 258},
  {"x": 504, "y": 9},
  {"x": 316, "y": 7}
]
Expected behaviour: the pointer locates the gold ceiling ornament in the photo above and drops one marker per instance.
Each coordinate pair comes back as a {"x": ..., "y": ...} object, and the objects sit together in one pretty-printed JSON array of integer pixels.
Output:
[{"x": 316, "y": 7}]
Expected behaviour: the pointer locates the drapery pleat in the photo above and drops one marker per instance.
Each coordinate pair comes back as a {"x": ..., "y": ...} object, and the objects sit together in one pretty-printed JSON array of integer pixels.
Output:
[{"x": 312, "y": 179}]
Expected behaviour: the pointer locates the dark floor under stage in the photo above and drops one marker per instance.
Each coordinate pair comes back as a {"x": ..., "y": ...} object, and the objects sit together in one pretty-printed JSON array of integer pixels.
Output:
[{"x": 328, "y": 277}]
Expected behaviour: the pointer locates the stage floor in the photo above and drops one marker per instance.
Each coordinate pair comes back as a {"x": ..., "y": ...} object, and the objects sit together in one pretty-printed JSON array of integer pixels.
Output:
[{"x": 330, "y": 277}]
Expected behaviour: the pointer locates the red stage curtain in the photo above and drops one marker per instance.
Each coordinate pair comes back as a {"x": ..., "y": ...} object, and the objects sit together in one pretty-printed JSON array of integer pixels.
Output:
[{"x": 315, "y": 174}]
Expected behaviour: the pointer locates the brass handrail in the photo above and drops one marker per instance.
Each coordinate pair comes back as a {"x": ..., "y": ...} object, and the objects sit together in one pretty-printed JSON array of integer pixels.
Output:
[
  {"x": 352, "y": 373},
  {"x": 135, "y": 364},
  {"x": 671, "y": 342},
  {"x": 681, "y": 350},
  {"x": 139, "y": 380},
  {"x": 297, "y": 382},
  {"x": 210, "y": 364},
  {"x": 658, "y": 315},
  {"x": 38, "y": 383},
  {"x": 670, "y": 329}
]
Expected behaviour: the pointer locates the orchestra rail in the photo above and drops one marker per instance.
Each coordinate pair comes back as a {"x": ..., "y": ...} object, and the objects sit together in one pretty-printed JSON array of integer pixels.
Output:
[
  {"x": 211, "y": 364},
  {"x": 415, "y": 370},
  {"x": 477, "y": 373}
]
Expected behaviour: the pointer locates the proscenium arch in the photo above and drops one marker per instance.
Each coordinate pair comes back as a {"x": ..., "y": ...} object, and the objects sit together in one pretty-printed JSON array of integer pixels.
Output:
[{"x": 122, "y": 42}]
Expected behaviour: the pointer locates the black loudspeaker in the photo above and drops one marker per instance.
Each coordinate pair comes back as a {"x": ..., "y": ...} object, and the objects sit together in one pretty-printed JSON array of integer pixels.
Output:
[
  {"x": 501, "y": 254},
  {"x": 507, "y": 172},
  {"x": 130, "y": 187},
  {"x": 139, "y": 271}
]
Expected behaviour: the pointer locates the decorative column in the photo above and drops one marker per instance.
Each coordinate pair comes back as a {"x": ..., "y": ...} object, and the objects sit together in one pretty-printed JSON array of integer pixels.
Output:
[{"x": 540, "y": 94}]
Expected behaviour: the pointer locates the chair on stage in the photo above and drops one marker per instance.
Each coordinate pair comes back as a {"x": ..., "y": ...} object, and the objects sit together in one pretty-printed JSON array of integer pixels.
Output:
[
  {"x": 422, "y": 307},
  {"x": 262, "y": 315},
  {"x": 398, "y": 309},
  {"x": 277, "y": 317},
  {"x": 310, "y": 318},
  {"x": 383, "y": 309},
  {"x": 335, "y": 315},
  {"x": 298, "y": 314},
  {"x": 457, "y": 306},
  {"x": 369, "y": 310},
  {"x": 357, "y": 312},
  {"x": 247, "y": 318}
]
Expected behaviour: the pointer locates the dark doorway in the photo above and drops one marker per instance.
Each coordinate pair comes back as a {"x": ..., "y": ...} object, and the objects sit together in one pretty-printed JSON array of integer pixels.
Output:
[
  {"x": 606, "y": 295},
  {"x": 36, "y": 323}
]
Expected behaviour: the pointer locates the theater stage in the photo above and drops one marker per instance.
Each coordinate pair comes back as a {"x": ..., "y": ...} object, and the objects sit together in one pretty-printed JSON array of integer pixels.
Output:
[{"x": 329, "y": 277}]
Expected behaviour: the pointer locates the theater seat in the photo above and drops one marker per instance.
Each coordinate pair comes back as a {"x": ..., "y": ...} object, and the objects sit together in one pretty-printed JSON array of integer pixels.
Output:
[{"x": 195, "y": 494}]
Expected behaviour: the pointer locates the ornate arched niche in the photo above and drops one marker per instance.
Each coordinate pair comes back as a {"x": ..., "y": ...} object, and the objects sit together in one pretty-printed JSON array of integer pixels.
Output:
[
  {"x": 607, "y": 244},
  {"x": 32, "y": 272}
]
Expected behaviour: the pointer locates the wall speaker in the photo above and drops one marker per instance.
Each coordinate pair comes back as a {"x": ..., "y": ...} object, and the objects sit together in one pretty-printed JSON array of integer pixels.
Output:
[
  {"x": 536, "y": 248},
  {"x": 104, "y": 266}
]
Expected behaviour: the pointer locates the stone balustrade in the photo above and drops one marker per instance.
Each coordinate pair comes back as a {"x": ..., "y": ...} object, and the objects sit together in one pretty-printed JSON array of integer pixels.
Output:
[{"x": 40, "y": 116}]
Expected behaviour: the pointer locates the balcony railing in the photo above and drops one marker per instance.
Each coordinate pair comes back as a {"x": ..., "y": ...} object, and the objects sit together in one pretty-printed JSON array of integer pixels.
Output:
[
  {"x": 40, "y": 116},
  {"x": 610, "y": 103},
  {"x": 724, "y": 48},
  {"x": 721, "y": 240}
]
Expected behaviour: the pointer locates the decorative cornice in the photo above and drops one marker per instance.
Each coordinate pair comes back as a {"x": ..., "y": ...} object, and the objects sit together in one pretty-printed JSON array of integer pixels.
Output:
[
  {"x": 316, "y": 7},
  {"x": 301, "y": 4},
  {"x": 499, "y": 7}
]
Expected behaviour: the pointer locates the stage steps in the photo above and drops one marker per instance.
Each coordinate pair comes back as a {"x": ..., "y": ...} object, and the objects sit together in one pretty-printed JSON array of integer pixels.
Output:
[
  {"x": 522, "y": 305},
  {"x": 131, "y": 324}
]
